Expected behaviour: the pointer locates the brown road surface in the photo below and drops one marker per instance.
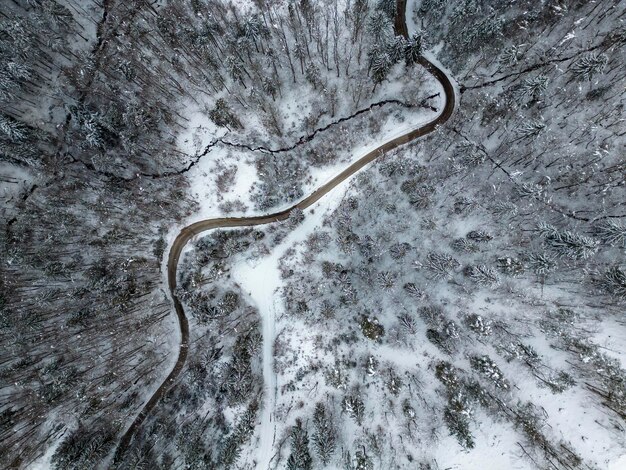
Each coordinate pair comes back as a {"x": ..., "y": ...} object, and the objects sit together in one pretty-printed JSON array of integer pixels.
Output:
[{"x": 196, "y": 228}]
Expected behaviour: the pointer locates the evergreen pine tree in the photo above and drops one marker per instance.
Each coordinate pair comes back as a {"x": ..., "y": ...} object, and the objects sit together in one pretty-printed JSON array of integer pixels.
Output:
[
  {"x": 379, "y": 27},
  {"x": 413, "y": 49},
  {"x": 566, "y": 243},
  {"x": 300, "y": 458},
  {"x": 589, "y": 65},
  {"x": 388, "y": 7},
  {"x": 354, "y": 406},
  {"x": 325, "y": 437},
  {"x": 312, "y": 74},
  {"x": 12, "y": 130},
  {"x": 381, "y": 65},
  {"x": 222, "y": 115}
]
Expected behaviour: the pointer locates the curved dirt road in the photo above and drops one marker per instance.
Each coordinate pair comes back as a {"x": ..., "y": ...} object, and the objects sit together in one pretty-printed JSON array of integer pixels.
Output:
[{"x": 202, "y": 226}]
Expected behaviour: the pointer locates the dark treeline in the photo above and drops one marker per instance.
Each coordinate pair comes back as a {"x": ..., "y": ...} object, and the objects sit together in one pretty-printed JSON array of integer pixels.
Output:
[{"x": 81, "y": 307}]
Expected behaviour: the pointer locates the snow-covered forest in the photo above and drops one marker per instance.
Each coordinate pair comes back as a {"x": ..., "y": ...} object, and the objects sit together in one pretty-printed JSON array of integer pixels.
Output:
[{"x": 458, "y": 303}]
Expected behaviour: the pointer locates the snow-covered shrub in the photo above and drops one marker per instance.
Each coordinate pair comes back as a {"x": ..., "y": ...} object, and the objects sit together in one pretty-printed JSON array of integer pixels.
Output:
[
  {"x": 457, "y": 416},
  {"x": 225, "y": 177},
  {"x": 464, "y": 205},
  {"x": 279, "y": 181},
  {"x": 612, "y": 281},
  {"x": 355, "y": 408},
  {"x": 489, "y": 369},
  {"x": 386, "y": 280},
  {"x": 611, "y": 232},
  {"x": 566, "y": 243},
  {"x": 530, "y": 128},
  {"x": 478, "y": 325},
  {"x": 480, "y": 236},
  {"x": 318, "y": 241},
  {"x": 408, "y": 323},
  {"x": 441, "y": 265},
  {"x": 589, "y": 65},
  {"x": 531, "y": 89},
  {"x": 296, "y": 216},
  {"x": 399, "y": 250},
  {"x": 337, "y": 376},
  {"x": 394, "y": 383},
  {"x": 559, "y": 382},
  {"x": 510, "y": 266},
  {"x": 511, "y": 55},
  {"x": 482, "y": 275},
  {"x": 371, "y": 328},
  {"x": 325, "y": 434},
  {"x": 419, "y": 194},
  {"x": 504, "y": 208},
  {"x": 541, "y": 263},
  {"x": 230, "y": 206},
  {"x": 414, "y": 291}
]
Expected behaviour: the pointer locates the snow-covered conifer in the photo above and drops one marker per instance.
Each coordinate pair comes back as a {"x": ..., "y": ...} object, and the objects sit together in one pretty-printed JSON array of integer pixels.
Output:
[
  {"x": 300, "y": 458},
  {"x": 589, "y": 66},
  {"x": 12, "y": 129},
  {"x": 325, "y": 436}
]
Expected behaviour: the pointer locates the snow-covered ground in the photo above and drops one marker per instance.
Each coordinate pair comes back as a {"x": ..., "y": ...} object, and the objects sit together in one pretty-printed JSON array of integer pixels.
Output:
[
  {"x": 13, "y": 181},
  {"x": 202, "y": 175},
  {"x": 261, "y": 280},
  {"x": 497, "y": 444}
]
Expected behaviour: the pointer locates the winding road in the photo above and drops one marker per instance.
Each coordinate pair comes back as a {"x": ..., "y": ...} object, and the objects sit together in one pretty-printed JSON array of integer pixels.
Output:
[{"x": 204, "y": 225}]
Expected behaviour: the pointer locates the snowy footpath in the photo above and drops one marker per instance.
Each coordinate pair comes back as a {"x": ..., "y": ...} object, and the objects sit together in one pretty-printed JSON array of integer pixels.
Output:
[{"x": 261, "y": 280}]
